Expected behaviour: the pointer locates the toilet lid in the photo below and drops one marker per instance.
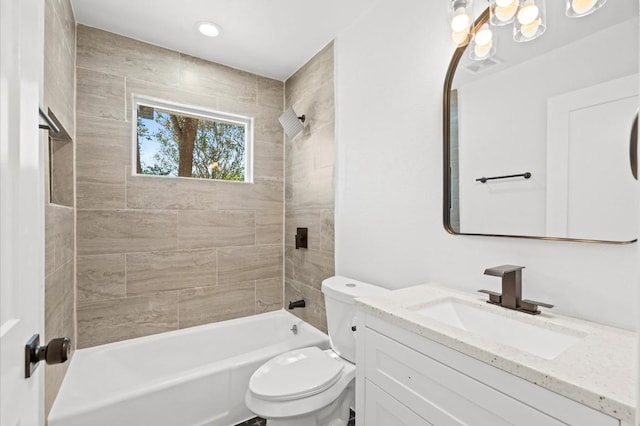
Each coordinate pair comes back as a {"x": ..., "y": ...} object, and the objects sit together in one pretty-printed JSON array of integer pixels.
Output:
[{"x": 296, "y": 374}]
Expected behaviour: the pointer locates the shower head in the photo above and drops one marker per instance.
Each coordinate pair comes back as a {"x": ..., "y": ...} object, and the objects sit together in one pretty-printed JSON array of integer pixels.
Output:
[{"x": 291, "y": 123}]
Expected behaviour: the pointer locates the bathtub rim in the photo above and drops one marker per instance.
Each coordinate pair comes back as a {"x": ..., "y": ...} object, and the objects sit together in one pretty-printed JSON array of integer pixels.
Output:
[{"x": 186, "y": 376}]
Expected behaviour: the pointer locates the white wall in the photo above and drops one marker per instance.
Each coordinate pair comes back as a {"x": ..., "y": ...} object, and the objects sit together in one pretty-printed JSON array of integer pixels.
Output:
[{"x": 390, "y": 68}]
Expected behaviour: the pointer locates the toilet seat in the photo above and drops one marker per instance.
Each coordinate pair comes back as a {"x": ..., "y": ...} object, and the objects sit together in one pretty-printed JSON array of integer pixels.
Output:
[
  {"x": 303, "y": 405},
  {"x": 296, "y": 374}
]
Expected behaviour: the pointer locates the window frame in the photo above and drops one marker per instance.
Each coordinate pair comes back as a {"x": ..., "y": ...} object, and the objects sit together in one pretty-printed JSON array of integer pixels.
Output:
[{"x": 198, "y": 112}]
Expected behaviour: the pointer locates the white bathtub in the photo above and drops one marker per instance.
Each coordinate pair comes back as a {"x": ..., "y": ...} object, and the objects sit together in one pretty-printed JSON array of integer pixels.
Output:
[{"x": 192, "y": 377}]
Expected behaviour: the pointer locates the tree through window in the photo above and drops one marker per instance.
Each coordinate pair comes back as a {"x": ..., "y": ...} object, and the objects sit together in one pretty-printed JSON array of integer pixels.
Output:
[{"x": 198, "y": 144}]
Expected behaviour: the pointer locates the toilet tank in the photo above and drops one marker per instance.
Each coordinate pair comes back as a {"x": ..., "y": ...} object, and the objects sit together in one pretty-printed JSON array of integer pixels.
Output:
[{"x": 339, "y": 296}]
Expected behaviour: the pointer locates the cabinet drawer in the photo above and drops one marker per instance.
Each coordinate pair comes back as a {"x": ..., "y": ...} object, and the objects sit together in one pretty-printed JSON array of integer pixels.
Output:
[
  {"x": 385, "y": 410},
  {"x": 439, "y": 393}
]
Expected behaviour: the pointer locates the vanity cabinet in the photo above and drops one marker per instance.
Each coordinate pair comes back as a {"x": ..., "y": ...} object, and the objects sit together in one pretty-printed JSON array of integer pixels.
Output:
[{"x": 407, "y": 379}]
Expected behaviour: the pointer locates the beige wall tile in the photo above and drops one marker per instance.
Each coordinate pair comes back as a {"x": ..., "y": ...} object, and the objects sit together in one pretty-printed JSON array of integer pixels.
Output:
[
  {"x": 311, "y": 75},
  {"x": 269, "y": 295},
  {"x": 103, "y": 150},
  {"x": 63, "y": 235},
  {"x": 268, "y": 160},
  {"x": 212, "y": 304},
  {"x": 120, "y": 319},
  {"x": 212, "y": 79},
  {"x": 125, "y": 231},
  {"x": 166, "y": 93},
  {"x": 160, "y": 271},
  {"x": 314, "y": 312},
  {"x": 49, "y": 220},
  {"x": 269, "y": 227},
  {"x": 159, "y": 192},
  {"x": 263, "y": 194},
  {"x": 267, "y": 126},
  {"x": 100, "y": 277},
  {"x": 210, "y": 229},
  {"x": 100, "y": 196},
  {"x": 100, "y": 94},
  {"x": 313, "y": 191},
  {"x": 239, "y": 264},
  {"x": 310, "y": 267},
  {"x": 327, "y": 231},
  {"x": 58, "y": 291},
  {"x": 107, "y": 52},
  {"x": 270, "y": 93}
]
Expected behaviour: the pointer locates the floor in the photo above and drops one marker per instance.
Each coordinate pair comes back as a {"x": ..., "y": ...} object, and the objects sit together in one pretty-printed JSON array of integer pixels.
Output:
[{"x": 258, "y": 421}]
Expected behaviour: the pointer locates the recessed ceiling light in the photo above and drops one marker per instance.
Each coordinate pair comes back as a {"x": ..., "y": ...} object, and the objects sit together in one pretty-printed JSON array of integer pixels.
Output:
[{"x": 209, "y": 29}]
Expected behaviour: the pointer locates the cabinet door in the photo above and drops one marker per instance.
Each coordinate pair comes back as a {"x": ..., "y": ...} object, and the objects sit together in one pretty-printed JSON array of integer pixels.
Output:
[{"x": 384, "y": 410}]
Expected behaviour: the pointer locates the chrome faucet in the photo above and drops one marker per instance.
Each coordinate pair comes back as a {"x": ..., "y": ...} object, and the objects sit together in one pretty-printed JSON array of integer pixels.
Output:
[{"x": 511, "y": 296}]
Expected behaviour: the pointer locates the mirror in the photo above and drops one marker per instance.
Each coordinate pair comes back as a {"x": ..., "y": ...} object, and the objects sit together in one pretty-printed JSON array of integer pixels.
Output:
[{"x": 537, "y": 139}]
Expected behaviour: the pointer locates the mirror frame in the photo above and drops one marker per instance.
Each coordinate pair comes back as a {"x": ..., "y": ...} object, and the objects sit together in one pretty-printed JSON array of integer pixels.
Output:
[{"x": 446, "y": 132}]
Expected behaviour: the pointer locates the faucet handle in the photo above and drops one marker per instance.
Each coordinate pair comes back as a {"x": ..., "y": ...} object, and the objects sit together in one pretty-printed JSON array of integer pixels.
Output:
[
  {"x": 531, "y": 306},
  {"x": 495, "y": 298},
  {"x": 500, "y": 271}
]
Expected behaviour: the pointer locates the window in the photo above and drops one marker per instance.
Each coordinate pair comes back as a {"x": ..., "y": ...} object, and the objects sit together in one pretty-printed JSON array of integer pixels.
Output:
[{"x": 182, "y": 141}]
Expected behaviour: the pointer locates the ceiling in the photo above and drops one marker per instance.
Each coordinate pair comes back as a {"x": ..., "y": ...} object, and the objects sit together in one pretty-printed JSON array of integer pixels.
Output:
[{"x": 273, "y": 38}]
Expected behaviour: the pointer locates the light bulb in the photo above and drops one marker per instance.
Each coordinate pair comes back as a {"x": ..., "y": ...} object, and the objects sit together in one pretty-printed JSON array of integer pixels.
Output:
[
  {"x": 482, "y": 50},
  {"x": 484, "y": 36},
  {"x": 528, "y": 13},
  {"x": 460, "y": 37},
  {"x": 530, "y": 30},
  {"x": 461, "y": 21},
  {"x": 505, "y": 3},
  {"x": 581, "y": 7},
  {"x": 209, "y": 29},
  {"x": 505, "y": 13}
]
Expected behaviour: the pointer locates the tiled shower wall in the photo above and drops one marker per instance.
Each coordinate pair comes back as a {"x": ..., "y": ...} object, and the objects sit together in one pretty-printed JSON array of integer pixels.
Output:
[
  {"x": 309, "y": 193},
  {"x": 59, "y": 97},
  {"x": 153, "y": 253}
]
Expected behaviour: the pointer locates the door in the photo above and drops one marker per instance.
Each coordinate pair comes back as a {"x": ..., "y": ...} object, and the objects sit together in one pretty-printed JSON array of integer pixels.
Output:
[
  {"x": 21, "y": 208},
  {"x": 588, "y": 133}
]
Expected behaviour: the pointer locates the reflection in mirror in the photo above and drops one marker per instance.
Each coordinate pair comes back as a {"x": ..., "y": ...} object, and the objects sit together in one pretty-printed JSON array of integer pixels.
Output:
[
  {"x": 556, "y": 113},
  {"x": 188, "y": 142}
]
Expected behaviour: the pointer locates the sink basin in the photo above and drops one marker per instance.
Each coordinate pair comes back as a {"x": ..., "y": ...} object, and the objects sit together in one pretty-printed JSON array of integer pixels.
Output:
[{"x": 536, "y": 340}]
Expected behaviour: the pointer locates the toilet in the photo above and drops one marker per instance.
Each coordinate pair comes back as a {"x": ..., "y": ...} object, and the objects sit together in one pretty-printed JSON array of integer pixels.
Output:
[{"x": 311, "y": 386}]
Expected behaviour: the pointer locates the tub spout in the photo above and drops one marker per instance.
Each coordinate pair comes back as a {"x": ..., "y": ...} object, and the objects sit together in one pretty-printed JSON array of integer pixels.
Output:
[{"x": 297, "y": 304}]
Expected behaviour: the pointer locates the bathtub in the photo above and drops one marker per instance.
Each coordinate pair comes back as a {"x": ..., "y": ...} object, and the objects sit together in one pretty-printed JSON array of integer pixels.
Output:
[{"x": 192, "y": 377}]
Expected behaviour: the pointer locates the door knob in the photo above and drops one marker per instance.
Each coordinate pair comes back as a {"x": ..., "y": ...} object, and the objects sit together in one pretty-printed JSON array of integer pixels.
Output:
[{"x": 55, "y": 352}]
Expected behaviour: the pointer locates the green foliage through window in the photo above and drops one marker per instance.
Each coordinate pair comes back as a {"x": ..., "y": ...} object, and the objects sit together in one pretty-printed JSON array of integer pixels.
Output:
[{"x": 171, "y": 143}]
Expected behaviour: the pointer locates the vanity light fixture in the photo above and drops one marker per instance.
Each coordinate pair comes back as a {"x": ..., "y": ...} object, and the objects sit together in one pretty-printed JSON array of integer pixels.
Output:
[
  {"x": 528, "y": 18},
  {"x": 461, "y": 21},
  {"x": 580, "y": 8},
  {"x": 484, "y": 43},
  {"x": 503, "y": 11},
  {"x": 209, "y": 29}
]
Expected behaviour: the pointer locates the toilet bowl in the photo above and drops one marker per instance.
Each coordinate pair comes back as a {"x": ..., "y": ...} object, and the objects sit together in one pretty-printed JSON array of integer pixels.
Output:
[{"x": 309, "y": 386}]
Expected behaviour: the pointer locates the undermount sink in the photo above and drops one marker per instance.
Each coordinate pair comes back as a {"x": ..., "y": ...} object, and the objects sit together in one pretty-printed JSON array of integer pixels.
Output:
[{"x": 536, "y": 340}]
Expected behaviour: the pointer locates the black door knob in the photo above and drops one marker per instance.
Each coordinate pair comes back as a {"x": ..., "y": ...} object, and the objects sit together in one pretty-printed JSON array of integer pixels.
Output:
[{"x": 57, "y": 350}]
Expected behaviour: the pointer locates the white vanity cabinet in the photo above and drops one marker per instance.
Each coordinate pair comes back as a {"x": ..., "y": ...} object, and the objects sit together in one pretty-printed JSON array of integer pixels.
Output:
[{"x": 407, "y": 379}]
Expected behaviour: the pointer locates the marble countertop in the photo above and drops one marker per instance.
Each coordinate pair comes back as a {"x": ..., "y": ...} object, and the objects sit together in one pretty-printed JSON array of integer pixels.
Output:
[{"x": 597, "y": 371}]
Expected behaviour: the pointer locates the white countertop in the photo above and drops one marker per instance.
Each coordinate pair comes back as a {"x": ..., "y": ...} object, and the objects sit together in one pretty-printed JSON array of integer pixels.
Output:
[{"x": 597, "y": 371}]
